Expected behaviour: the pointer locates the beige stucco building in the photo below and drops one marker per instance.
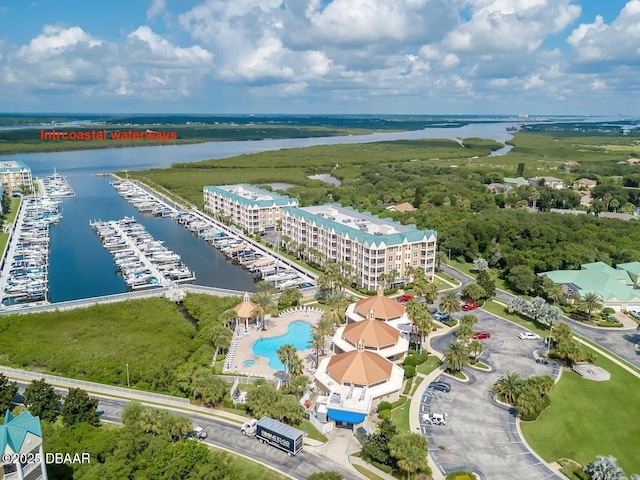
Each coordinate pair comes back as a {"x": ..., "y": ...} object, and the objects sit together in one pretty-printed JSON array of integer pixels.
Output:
[
  {"x": 368, "y": 245},
  {"x": 249, "y": 207}
]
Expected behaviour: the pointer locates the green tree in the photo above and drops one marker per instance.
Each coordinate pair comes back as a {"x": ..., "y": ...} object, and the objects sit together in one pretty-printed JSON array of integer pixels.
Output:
[
  {"x": 227, "y": 317},
  {"x": 441, "y": 258},
  {"x": 562, "y": 332},
  {"x": 529, "y": 402},
  {"x": 7, "y": 391},
  {"x": 287, "y": 354},
  {"x": 464, "y": 333},
  {"x": 522, "y": 278},
  {"x": 42, "y": 400},
  {"x": 207, "y": 387},
  {"x": 316, "y": 342},
  {"x": 265, "y": 305},
  {"x": 261, "y": 399},
  {"x": 508, "y": 387},
  {"x": 287, "y": 409},
  {"x": 220, "y": 338},
  {"x": 289, "y": 297},
  {"x": 473, "y": 291},
  {"x": 336, "y": 303},
  {"x": 450, "y": 302},
  {"x": 376, "y": 445},
  {"x": 331, "y": 279},
  {"x": 591, "y": 302},
  {"x": 79, "y": 407},
  {"x": 469, "y": 319},
  {"x": 484, "y": 280},
  {"x": 456, "y": 357},
  {"x": 475, "y": 348},
  {"x": 410, "y": 450},
  {"x": 542, "y": 384}
]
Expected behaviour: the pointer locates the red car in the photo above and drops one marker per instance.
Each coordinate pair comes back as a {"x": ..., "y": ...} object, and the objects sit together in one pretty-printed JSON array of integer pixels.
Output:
[
  {"x": 405, "y": 298},
  {"x": 481, "y": 335},
  {"x": 467, "y": 307}
]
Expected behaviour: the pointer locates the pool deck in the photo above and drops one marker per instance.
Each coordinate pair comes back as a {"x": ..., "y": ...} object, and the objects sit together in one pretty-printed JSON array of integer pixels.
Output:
[{"x": 276, "y": 326}]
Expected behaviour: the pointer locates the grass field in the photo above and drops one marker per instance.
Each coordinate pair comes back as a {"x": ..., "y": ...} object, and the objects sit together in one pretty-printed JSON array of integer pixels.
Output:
[
  {"x": 529, "y": 324},
  {"x": 400, "y": 417},
  {"x": 95, "y": 343},
  {"x": 588, "y": 418},
  {"x": 4, "y": 237},
  {"x": 429, "y": 366}
]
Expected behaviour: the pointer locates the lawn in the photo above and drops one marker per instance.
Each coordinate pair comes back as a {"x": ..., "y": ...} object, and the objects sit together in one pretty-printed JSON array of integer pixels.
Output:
[
  {"x": 588, "y": 418},
  {"x": 4, "y": 237},
  {"x": 400, "y": 417},
  {"x": 429, "y": 366}
]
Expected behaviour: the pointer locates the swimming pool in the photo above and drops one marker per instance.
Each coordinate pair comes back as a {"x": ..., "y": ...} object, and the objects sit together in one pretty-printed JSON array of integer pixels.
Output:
[{"x": 298, "y": 335}]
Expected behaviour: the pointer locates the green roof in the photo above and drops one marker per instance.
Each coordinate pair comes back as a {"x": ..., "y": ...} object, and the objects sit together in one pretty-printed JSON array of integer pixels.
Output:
[
  {"x": 632, "y": 268},
  {"x": 611, "y": 284},
  {"x": 410, "y": 235},
  {"x": 15, "y": 429},
  {"x": 276, "y": 199},
  {"x": 518, "y": 180},
  {"x": 13, "y": 166}
]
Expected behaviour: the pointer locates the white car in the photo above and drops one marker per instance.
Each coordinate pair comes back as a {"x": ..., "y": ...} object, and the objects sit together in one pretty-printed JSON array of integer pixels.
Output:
[
  {"x": 635, "y": 313},
  {"x": 528, "y": 336}
]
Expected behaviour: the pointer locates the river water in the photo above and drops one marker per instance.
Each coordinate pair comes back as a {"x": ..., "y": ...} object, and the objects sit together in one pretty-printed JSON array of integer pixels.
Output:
[{"x": 81, "y": 268}]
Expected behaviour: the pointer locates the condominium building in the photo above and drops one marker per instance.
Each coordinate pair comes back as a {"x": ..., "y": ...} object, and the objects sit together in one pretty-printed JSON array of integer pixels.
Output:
[
  {"x": 372, "y": 249},
  {"x": 249, "y": 207},
  {"x": 21, "y": 445},
  {"x": 14, "y": 175}
]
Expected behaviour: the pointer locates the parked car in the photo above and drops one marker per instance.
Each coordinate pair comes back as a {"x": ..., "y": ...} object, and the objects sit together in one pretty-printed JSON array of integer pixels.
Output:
[
  {"x": 434, "y": 418},
  {"x": 197, "y": 433},
  {"x": 404, "y": 298},
  {"x": 635, "y": 313},
  {"x": 433, "y": 309},
  {"x": 467, "y": 307},
  {"x": 481, "y": 335},
  {"x": 528, "y": 336},
  {"x": 440, "y": 386},
  {"x": 441, "y": 316}
]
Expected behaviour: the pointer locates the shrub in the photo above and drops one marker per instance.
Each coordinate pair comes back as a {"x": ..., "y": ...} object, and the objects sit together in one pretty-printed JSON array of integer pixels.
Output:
[
  {"x": 407, "y": 386},
  {"x": 385, "y": 414},
  {"x": 608, "y": 311},
  {"x": 390, "y": 291},
  {"x": 411, "y": 361},
  {"x": 382, "y": 406},
  {"x": 398, "y": 403},
  {"x": 409, "y": 371},
  {"x": 460, "y": 475},
  {"x": 422, "y": 357}
]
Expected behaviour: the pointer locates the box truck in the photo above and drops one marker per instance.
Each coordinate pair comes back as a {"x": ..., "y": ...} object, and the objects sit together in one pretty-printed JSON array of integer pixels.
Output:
[{"x": 275, "y": 433}]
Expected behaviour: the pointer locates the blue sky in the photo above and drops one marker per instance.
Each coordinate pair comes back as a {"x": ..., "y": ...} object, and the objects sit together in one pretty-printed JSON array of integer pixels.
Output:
[{"x": 321, "y": 56}]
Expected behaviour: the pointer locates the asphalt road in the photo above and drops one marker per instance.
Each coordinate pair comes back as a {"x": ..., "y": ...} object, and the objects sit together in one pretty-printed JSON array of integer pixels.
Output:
[
  {"x": 225, "y": 435},
  {"x": 481, "y": 434},
  {"x": 620, "y": 342}
]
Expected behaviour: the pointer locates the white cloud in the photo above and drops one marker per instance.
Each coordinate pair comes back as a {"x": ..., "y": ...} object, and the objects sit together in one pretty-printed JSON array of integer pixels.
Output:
[
  {"x": 616, "y": 43},
  {"x": 157, "y": 7},
  {"x": 598, "y": 84}
]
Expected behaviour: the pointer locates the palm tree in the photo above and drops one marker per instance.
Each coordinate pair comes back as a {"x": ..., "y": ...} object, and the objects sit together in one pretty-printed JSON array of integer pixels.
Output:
[
  {"x": 475, "y": 348},
  {"x": 220, "y": 339},
  {"x": 534, "y": 197},
  {"x": 430, "y": 292},
  {"x": 316, "y": 342},
  {"x": 473, "y": 291},
  {"x": 421, "y": 318},
  {"x": 336, "y": 303},
  {"x": 469, "y": 320},
  {"x": 441, "y": 258},
  {"x": 325, "y": 328},
  {"x": 456, "y": 357},
  {"x": 543, "y": 384},
  {"x": 265, "y": 286},
  {"x": 508, "y": 387},
  {"x": 464, "y": 333},
  {"x": 287, "y": 354},
  {"x": 590, "y": 302},
  {"x": 265, "y": 305},
  {"x": 562, "y": 332},
  {"x": 227, "y": 317},
  {"x": 450, "y": 302}
]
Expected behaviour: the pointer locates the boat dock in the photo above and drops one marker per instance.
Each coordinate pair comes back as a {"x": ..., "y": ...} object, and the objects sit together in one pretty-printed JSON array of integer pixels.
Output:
[
  {"x": 24, "y": 274},
  {"x": 143, "y": 261},
  {"x": 239, "y": 248},
  {"x": 55, "y": 186}
]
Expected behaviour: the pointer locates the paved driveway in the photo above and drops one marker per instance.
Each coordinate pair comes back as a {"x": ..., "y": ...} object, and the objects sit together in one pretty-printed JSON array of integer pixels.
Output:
[
  {"x": 620, "y": 342},
  {"x": 480, "y": 434}
]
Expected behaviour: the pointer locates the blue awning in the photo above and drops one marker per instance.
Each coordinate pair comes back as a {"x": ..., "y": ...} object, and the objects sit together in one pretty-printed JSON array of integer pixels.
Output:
[{"x": 348, "y": 417}]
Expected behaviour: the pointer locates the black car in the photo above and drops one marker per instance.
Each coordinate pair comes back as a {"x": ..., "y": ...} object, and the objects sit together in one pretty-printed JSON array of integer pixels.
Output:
[{"x": 440, "y": 386}]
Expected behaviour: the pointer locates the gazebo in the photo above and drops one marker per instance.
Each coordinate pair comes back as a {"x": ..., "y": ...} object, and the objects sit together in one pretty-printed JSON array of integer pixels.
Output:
[{"x": 244, "y": 310}]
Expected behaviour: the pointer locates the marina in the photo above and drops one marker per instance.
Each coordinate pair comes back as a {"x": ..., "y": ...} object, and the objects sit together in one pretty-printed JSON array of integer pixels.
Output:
[
  {"x": 24, "y": 276},
  {"x": 143, "y": 261},
  {"x": 238, "y": 248},
  {"x": 55, "y": 186}
]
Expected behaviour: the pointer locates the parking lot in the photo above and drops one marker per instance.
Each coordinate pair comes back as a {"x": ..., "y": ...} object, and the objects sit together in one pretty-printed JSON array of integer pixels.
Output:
[{"x": 480, "y": 434}]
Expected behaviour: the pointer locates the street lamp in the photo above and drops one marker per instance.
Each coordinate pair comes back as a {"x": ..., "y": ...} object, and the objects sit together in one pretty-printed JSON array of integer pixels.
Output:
[
  {"x": 449, "y": 255},
  {"x": 128, "y": 382}
]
